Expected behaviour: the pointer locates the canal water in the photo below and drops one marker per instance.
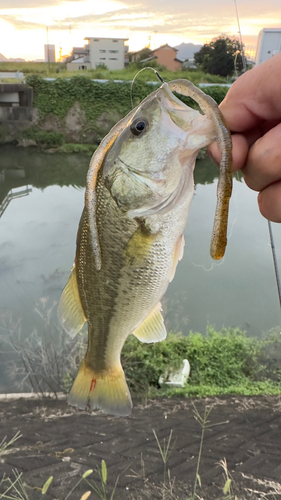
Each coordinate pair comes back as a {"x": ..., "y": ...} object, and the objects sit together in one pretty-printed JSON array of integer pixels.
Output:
[{"x": 41, "y": 199}]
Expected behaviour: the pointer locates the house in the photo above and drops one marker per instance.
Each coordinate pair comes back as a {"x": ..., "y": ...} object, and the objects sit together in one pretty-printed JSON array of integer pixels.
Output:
[
  {"x": 269, "y": 44},
  {"x": 165, "y": 55},
  {"x": 79, "y": 59},
  {"x": 112, "y": 52}
]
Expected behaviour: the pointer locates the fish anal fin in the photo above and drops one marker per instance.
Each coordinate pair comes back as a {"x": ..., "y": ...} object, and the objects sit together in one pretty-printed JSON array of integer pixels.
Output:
[
  {"x": 107, "y": 391},
  {"x": 70, "y": 312},
  {"x": 152, "y": 329},
  {"x": 178, "y": 254}
]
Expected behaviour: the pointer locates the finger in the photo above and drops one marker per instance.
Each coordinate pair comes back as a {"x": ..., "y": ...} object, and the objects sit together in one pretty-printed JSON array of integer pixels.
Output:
[
  {"x": 263, "y": 166},
  {"x": 240, "y": 147},
  {"x": 269, "y": 200},
  {"x": 254, "y": 97}
]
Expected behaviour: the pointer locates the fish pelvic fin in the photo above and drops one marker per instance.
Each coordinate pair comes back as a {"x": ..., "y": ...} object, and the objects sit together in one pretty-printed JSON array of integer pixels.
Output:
[
  {"x": 107, "y": 391},
  {"x": 152, "y": 329},
  {"x": 70, "y": 312}
]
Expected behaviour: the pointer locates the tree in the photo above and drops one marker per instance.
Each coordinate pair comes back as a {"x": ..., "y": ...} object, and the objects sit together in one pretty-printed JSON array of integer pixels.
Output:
[{"x": 222, "y": 56}]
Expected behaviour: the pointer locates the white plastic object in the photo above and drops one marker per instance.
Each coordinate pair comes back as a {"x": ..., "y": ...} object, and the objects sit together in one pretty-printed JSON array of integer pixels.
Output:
[{"x": 176, "y": 378}]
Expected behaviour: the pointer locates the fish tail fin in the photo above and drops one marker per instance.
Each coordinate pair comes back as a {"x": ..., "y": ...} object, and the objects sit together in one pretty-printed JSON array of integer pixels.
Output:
[{"x": 107, "y": 391}]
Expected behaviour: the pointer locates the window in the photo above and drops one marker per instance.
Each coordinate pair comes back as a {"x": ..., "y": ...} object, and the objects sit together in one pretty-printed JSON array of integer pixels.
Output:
[
  {"x": 113, "y": 51},
  {"x": 96, "y": 39},
  {"x": 102, "y": 58},
  {"x": 103, "y": 51},
  {"x": 116, "y": 41},
  {"x": 113, "y": 58}
]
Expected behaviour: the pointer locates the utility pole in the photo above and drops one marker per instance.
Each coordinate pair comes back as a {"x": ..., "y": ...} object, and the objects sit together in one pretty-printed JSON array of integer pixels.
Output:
[{"x": 48, "y": 49}]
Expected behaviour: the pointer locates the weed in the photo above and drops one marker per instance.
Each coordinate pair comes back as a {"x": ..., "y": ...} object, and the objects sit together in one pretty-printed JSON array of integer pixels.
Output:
[
  {"x": 46, "y": 362},
  {"x": 16, "y": 489},
  {"x": 165, "y": 452},
  {"x": 204, "y": 424},
  {"x": 5, "y": 444},
  {"x": 101, "y": 490}
]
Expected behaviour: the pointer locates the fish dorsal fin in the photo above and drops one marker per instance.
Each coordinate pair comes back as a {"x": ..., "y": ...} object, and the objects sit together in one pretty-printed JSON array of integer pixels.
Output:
[
  {"x": 152, "y": 329},
  {"x": 178, "y": 254},
  {"x": 71, "y": 314}
]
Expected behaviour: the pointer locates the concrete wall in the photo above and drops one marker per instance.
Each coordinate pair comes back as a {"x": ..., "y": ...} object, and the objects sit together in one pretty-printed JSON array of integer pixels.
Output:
[{"x": 15, "y": 102}]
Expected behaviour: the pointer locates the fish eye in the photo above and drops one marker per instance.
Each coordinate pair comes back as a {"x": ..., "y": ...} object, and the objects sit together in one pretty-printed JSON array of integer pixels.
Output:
[{"x": 139, "y": 125}]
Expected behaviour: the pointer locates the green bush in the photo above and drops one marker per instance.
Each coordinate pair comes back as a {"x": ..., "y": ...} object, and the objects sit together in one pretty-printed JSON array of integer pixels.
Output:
[
  {"x": 43, "y": 137},
  {"x": 221, "y": 363},
  {"x": 78, "y": 148},
  {"x": 59, "y": 96}
]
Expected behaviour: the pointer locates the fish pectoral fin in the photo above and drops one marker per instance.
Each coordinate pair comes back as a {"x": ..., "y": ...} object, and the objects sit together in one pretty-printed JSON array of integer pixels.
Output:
[
  {"x": 152, "y": 329},
  {"x": 107, "y": 391},
  {"x": 70, "y": 312},
  {"x": 178, "y": 254}
]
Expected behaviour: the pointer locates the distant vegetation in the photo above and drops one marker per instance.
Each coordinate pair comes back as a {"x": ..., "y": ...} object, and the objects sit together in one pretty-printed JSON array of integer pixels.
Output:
[
  {"x": 74, "y": 109},
  {"x": 222, "y": 362},
  {"x": 222, "y": 56},
  {"x": 58, "y": 70}
]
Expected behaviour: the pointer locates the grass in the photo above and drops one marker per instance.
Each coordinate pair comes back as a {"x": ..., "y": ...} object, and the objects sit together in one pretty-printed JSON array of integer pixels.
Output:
[
  {"x": 58, "y": 70},
  {"x": 4, "y": 444},
  {"x": 165, "y": 451},
  {"x": 16, "y": 489}
]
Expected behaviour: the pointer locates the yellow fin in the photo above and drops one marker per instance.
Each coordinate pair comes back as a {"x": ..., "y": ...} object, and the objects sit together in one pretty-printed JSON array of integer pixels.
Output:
[
  {"x": 107, "y": 391},
  {"x": 71, "y": 314},
  {"x": 152, "y": 329},
  {"x": 177, "y": 255}
]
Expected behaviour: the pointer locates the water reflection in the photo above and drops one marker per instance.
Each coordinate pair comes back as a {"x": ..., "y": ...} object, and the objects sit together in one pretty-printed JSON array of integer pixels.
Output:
[{"x": 41, "y": 199}]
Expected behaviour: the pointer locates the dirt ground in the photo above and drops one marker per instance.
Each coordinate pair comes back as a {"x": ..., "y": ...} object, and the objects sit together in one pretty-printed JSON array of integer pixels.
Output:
[{"x": 64, "y": 443}]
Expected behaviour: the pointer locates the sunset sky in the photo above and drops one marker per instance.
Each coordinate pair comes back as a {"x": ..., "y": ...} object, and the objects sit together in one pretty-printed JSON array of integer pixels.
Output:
[{"x": 23, "y": 22}]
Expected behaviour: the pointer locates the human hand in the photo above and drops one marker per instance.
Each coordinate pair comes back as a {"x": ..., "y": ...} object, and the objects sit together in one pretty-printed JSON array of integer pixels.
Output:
[{"x": 252, "y": 112}]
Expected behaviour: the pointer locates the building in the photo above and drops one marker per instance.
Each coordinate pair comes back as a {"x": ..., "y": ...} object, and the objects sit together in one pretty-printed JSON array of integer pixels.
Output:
[
  {"x": 79, "y": 59},
  {"x": 269, "y": 44},
  {"x": 50, "y": 53},
  {"x": 112, "y": 52},
  {"x": 165, "y": 56}
]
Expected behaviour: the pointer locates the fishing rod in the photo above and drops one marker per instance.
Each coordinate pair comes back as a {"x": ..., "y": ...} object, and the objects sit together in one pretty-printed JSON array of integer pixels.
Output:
[
  {"x": 241, "y": 41},
  {"x": 275, "y": 261}
]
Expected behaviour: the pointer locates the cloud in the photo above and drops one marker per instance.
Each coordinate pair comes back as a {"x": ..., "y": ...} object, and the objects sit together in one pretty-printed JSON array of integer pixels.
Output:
[
  {"x": 29, "y": 4},
  {"x": 19, "y": 23}
]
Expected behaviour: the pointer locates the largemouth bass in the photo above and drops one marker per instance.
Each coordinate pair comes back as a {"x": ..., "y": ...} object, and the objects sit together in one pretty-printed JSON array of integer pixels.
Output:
[{"x": 130, "y": 237}]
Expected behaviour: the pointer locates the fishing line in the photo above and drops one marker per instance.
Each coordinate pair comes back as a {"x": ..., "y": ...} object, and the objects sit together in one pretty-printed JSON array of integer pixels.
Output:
[
  {"x": 133, "y": 81},
  {"x": 277, "y": 277}
]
